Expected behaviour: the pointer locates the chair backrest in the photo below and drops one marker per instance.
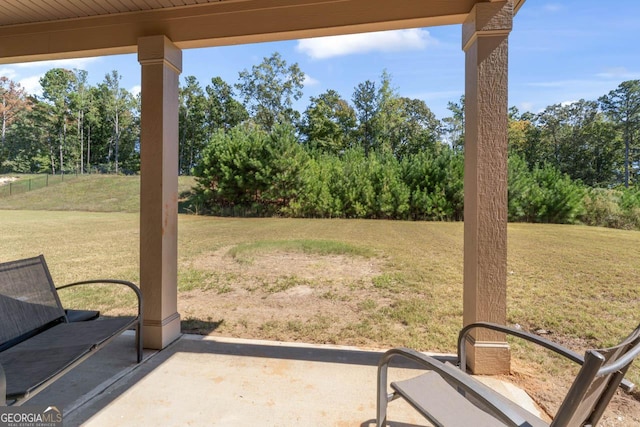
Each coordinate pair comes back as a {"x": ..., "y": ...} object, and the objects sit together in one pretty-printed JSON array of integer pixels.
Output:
[
  {"x": 597, "y": 382},
  {"x": 29, "y": 301}
]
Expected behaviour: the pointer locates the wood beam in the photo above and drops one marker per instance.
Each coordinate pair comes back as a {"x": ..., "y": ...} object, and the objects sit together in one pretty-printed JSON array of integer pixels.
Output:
[{"x": 224, "y": 23}]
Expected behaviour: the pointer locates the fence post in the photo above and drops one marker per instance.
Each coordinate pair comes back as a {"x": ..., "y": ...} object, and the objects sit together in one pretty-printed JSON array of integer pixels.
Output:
[
  {"x": 47, "y": 182},
  {"x": 10, "y": 187},
  {"x": 29, "y": 184}
]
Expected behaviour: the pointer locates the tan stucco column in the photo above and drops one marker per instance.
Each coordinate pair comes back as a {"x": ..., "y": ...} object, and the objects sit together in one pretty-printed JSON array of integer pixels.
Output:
[
  {"x": 485, "y": 42},
  {"x": 161, "y": 63}
]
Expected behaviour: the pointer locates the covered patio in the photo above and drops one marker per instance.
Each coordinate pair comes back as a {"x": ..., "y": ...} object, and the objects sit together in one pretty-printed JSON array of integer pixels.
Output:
[
  {"x": 158, "y": 30},
  {"x": 237, "y": 382}
]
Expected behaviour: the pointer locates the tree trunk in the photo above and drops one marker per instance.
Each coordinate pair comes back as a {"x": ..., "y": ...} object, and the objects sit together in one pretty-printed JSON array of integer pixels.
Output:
[
  {"x": 627, "y": 143},
  {"x": 117, "y": 137},
  {"x": 4, "y": 121},
  {"x": 61, "y": 139},
  {"x": 81, "y": 135},
  {"x": 52, "y": 157},
  {"x": 89, "y": 149}
]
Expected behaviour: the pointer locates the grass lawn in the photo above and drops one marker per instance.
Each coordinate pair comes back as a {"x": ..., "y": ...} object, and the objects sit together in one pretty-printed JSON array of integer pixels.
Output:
[
  {"x": 92, "y": 193},
  {"x": 368, "y": 283}
]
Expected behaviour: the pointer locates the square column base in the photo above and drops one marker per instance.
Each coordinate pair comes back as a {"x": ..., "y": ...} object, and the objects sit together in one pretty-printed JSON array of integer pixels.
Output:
[
  {"x": 158, "y": 335},
  {"x": 488, "y": 358}
]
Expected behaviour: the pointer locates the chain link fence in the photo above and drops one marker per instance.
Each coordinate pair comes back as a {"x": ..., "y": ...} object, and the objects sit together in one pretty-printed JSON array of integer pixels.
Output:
[{"x": 23, "y": 185}]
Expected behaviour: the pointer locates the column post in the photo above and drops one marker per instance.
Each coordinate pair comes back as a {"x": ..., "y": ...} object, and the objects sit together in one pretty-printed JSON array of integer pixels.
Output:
[
  {"x": 161, "y": 64},
  {"x": 485, "y": 43}
]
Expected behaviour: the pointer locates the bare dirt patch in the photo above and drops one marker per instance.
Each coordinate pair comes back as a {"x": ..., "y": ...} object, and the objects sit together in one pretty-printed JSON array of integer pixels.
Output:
[
  {"x": 280, "y": 295},
  {"x": 7, "y": 179},
  {"x": 276, "y": 264}
]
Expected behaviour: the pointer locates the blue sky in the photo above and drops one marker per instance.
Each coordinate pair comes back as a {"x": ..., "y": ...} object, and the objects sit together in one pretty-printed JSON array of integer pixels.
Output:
[{"x": 559, "y": 51}]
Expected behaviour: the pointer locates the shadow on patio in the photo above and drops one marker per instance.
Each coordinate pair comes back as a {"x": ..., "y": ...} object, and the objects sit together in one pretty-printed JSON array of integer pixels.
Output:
[{"x": 206, "y": 381}]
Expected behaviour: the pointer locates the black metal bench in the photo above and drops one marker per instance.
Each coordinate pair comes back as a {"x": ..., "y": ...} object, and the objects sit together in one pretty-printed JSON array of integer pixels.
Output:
[{"x": 38, "y": 341}]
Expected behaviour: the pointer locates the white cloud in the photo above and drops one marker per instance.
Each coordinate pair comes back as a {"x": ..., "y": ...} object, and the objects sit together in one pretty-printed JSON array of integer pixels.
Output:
[
  {"x": 32, "y": 84},
  {"x": 58, "y": 63},
  {"x": 526, "y": 106},
  {"x": 135, "y": 90},
  {"x": 547, "y": 84},
  {"x": 618, "y": 73},
  {"x": 9, "y": 73},
  {"x": 381, "y": 41},
  {"x": 310, "y": 81},
  {"x": 25, "y": 73},
  {"x": 567, "y": 103},
  {"x": 552, "y": 7}
]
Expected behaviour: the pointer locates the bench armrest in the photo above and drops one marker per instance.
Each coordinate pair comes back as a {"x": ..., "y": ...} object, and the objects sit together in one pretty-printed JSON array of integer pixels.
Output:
[
  {"x": 492, "y": 403},
  {"x": 130, "y": 285},
  {"x": 626, "y": 385}
]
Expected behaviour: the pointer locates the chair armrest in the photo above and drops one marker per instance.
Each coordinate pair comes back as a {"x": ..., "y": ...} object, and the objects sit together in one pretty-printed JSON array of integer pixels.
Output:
[
  {"x": 3, "y": 388},
  {"x": 494, "y": 404},
  {"x": 130, "y": 285}
]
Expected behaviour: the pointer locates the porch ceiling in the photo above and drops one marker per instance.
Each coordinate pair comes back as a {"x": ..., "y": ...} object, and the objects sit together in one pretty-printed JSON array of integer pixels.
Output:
[{"x": 35, "y": 30}]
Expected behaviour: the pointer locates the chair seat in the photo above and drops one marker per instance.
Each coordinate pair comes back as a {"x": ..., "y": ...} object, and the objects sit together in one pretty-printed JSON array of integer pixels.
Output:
[{"x": 443, "y": 405}]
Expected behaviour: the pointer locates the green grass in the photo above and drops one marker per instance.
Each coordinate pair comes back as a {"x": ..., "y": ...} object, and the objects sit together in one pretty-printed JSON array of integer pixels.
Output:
[
  {"x": 21, "y": 176},
  {"x": 580, "y": 283},
  {"x": 92, "y": 193},
  {"x": 245, "y": 252},
  {"x": 23, "y": 183}
]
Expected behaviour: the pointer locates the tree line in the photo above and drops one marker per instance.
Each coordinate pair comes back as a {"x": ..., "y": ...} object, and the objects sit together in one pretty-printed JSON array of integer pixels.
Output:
[
  {"x": 72, "y": 127},
  {"x": 374, "y": 155}
]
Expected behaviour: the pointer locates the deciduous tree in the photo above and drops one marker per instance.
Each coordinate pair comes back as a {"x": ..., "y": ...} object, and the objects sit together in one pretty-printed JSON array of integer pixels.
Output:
[
  {"x": 57, "y": 86},
  {"x": 454, "y": 124},
  {"x": 269, "y": 90},
  {"x": 365, "y": 102},
  {"x": 622, "y": 105},
  {"x": 329, "y": 123},
  {"x": 223, "y": 111},
  {"x": 13, "y": 100},
  {"x": 192, "y": 124}
]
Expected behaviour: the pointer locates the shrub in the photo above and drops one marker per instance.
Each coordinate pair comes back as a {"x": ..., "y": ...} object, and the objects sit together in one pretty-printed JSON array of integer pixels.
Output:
[
  {"x": 543, "y": 194},
  {"x": 614, "y": 208},
  {"x": 247, "y": 171},
  {"x": 435, "y": 181}
]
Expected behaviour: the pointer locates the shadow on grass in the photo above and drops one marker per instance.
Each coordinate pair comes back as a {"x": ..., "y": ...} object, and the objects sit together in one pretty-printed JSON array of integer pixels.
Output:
[
  {"x": 199, "y": 327},
  {"x": 189, "y": 203}
]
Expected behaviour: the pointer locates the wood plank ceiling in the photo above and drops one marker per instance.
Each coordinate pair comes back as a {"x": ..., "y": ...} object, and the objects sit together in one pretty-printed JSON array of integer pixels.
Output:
[{"x": 14, "y": 12}]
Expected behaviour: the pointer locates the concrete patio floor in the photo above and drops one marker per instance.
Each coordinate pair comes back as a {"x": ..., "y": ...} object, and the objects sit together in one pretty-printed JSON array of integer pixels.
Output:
[{"x": 214, "y": 381}]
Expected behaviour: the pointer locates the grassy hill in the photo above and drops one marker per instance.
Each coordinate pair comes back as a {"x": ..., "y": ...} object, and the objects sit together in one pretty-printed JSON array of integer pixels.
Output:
[{"x": 93, "y": 193}]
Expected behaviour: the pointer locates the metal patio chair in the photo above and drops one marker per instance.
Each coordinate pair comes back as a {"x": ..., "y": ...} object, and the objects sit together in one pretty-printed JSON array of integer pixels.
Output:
[{"x": 447, "y": 396}]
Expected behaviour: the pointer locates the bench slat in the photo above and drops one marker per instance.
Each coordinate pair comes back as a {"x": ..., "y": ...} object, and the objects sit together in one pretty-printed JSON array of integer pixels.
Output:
[{"x": 32, "y": 363}]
